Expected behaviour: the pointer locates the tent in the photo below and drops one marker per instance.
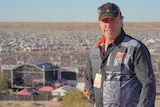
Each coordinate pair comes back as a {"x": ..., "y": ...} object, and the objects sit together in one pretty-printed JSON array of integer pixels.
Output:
[
  {"x": 80, "y": 86},
  {"x": 60, "y": 91},
  {"x": 46, "y": 89},
  {"x": 25, "y": 91}
]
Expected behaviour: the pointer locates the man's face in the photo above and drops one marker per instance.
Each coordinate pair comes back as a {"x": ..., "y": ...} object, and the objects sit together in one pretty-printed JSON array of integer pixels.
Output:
[{"x": 111, "y": 27}]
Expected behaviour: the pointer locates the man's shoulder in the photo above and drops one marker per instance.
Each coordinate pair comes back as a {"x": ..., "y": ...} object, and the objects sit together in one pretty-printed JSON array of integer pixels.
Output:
[
  {"x": 132, "y": 41},
  {"x": 94, "y": 46},
  {"x": 94, "y": 49}
]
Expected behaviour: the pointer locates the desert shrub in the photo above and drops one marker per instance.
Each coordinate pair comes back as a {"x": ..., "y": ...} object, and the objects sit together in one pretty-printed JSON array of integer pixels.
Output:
[
  {"x": 75, "y": 98},
  {"x": 3, "y": 83}
]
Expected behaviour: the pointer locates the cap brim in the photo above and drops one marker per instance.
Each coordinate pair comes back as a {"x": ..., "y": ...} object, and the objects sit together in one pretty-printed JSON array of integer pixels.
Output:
[{"x": 107, "y": 15}]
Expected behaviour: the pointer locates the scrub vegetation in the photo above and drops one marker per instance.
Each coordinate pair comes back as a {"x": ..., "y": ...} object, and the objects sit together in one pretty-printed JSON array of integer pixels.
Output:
[{"x": 75, "y": 98}]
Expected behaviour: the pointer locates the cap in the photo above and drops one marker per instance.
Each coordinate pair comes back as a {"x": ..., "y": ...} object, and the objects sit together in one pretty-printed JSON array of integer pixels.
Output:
[{"x": 108, "y": 10}]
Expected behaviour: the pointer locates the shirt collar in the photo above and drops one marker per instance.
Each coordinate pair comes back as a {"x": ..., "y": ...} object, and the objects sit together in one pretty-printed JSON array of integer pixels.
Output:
[
  {"x": 120, "y": 38},
  {"x": 117, "y": 41}
]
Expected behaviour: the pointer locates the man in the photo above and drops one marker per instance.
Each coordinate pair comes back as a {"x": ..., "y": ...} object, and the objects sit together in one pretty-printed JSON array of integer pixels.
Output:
[{"x": 118, "y": 72}]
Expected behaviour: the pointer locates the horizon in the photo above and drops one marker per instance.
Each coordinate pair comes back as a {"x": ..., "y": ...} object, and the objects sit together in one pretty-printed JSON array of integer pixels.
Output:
[{"x": 70, "y": 22}]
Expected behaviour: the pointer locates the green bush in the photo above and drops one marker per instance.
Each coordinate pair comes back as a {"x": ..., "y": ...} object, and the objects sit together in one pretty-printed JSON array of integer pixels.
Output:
[{"x": 75, "y": 98}]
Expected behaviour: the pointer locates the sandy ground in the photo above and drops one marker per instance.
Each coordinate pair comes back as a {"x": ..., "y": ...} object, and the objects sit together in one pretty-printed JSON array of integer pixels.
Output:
[
  {"x": 28, "y": 104},
  {"x": 157, "y": 104},
  {"x": 49, "y": 103},
  {"x": 41, "y": 103}
]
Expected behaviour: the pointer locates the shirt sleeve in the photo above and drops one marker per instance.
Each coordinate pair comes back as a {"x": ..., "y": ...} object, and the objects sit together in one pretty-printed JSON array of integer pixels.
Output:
[
  {"x": 145, "y": 74},
  {"x": 89, "y": 81}
]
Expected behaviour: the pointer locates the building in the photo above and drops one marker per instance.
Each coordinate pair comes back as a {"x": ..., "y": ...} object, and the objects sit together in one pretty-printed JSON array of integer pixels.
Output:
[{"x": 30, "y": 75}]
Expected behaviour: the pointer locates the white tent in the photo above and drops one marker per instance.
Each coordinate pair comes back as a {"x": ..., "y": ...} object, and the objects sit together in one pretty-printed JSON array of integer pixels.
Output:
[{"x": 60, "y": 91}]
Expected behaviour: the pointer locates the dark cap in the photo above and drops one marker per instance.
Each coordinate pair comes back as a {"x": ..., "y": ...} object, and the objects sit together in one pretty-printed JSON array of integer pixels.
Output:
[{"x": 108, "y": 10}]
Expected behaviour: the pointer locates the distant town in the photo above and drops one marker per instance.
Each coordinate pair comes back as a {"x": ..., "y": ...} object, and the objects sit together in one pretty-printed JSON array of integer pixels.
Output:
[{"x": 66, "y": 49}]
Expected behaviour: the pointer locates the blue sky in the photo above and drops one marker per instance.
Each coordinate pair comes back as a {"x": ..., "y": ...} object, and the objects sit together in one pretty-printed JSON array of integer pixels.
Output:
[{"x": 75, "y": 10}]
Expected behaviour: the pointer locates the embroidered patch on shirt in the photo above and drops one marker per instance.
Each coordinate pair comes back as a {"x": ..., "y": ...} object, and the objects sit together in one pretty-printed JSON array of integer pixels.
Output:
[
  {"x": 121, "y": 55},
  {"x": 119, "y": 58}
]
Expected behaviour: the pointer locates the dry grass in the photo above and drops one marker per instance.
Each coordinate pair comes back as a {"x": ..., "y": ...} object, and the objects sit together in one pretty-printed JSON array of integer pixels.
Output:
[
  {"x": 67, "y": 27},
  {"x": 47, "y": 27},
  {"x": 145, "y": 27}
]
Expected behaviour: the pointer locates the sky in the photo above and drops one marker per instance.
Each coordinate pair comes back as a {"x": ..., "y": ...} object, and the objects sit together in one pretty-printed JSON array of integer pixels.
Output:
[{"x": 75, "y": 10}]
